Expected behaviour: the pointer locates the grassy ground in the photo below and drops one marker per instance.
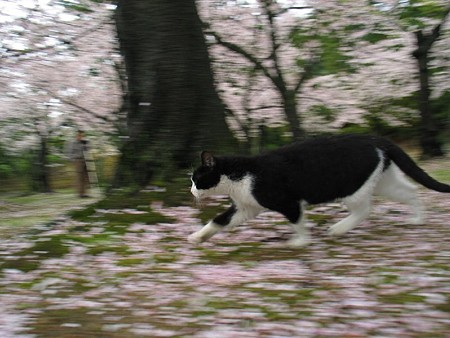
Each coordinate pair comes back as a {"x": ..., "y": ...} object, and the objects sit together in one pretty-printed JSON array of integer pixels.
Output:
[
  {"x": 19, "y": 213},
  {"x": 121, "y": 267}
]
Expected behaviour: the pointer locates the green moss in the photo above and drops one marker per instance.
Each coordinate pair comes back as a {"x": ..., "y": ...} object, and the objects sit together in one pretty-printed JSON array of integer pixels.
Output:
[
  {"x": 50, "y": 323},
  {"x": 287, "y": 297},
  {"x": 428, "y": 258},
  {"x": 21, "y": 264},
  {"x": 202, "y": 313},
  {"x": 130, "y": 261},
  {"x": 440, "y": 266},
  {"x": 444, "y": 307},
  {"x": 220, "y": 304},
  {"x": 250, "y": 254},
  {"x": 29, "y": 259},
  {"x": 442, "y": 175},
  {"x": 209, "y": 212},
  {"x": 55, "y": 247},
  {"x": 148, "y": 218},
  {"x": 81, "y": 286},
  {"x": 319, "y": 219},
  {"x": 177, "y": 191},
  {"x": 82, "y": 215},
  {"x": 165, "y": 258},
  {"x": 101, "y": 248},
  {"x": 390, "y": 279},
  {"x": 174, "y": 193},
  {"x": 117, "y": 222},
  {"x": 402, "y": 298}
]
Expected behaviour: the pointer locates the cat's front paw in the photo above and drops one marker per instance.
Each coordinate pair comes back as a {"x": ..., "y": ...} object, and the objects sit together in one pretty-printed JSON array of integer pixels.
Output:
[
  {"x": 340, "y": 229},
  {"x": 195, "y": 238}
]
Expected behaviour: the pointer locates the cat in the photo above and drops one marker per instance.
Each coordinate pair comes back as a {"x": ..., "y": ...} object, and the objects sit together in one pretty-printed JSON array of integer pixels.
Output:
[{"x": 349, "y": 168}]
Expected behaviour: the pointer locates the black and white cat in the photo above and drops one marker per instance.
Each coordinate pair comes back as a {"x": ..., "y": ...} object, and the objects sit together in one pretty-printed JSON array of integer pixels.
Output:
[{"x": 348, "y": 168}]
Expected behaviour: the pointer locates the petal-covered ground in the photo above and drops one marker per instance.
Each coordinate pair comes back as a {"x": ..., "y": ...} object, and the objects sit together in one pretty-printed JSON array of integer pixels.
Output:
[{"x": 131, "y": 273}]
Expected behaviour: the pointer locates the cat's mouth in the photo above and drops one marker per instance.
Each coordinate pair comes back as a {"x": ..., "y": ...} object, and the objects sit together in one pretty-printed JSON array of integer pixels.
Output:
[
  {"x": 197, "y": 196},
  {"x": 197, "y": 193}
]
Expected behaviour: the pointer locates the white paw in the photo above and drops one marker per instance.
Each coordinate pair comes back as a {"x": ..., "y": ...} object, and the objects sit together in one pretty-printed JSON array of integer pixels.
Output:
[
  {"x": 195, "y": 238},
  {"x": 339, "y": 229},
  {"x": 299, "y": 241}
]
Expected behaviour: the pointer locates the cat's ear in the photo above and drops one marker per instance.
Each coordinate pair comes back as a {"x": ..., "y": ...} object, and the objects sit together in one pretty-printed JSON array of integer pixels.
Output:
[{"x": 208, "y": 159}]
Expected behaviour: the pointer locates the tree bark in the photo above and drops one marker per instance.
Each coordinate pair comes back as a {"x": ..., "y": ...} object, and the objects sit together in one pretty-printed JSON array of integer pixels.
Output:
[
  {"x": 290, "y": 110},
  {"x": 429, "y": 140},
  {"x": 40, "y": 173},
  {"x": 173, "y": 108}
]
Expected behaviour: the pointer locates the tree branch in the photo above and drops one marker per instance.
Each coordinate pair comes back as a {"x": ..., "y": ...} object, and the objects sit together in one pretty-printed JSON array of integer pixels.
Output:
[
  {"x": 436, "y": 33},
  {"x": 11, "y": 53},
  {"x": 287, "y": 9},
  {"x": 425, "y": 41},
  {"x": 241, "y": 51},
  {"x": 72, "y": 104},
  {"x": 273, "y": 39},
  {"x": 307, "y": 73}
]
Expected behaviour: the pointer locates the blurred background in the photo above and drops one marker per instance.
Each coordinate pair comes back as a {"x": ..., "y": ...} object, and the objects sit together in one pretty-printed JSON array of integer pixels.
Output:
[{"x": 154, "y": 82}]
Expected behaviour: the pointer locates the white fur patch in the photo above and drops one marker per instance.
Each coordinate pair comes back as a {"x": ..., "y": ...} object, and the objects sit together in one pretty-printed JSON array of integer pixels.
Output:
[
  {"x": 359, "y": 204},
  {"x": 302, "y": 236},
  {"x": 396, "y": 187},
  {"x": 204, "y": 233},
  {"x": 194, "y": 190},
  {"x": 240, "y": 192}
]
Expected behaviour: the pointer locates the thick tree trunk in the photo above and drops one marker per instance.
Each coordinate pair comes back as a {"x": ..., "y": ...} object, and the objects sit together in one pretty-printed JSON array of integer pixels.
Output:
[
  {"x": 429, "y": 138},
  {"x": 174, "y": 110}
]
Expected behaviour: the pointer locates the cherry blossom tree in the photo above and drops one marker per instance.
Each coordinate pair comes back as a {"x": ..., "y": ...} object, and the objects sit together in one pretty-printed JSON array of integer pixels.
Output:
[
  {"x": 255, "y": 35},
  {"x": 58, "y": 70},
  {"x": 424, "y": 28},
  {"x": 354, "y": 64},
  {"x": 427, "y": 20}
]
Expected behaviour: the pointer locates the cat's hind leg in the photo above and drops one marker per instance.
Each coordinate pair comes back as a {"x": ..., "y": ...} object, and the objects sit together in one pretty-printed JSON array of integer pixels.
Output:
[
  {"x": 396, "y": 187},
  {"x": 359, "y": 211},
  {"x": 359, "y": 204},
  {"x": 232, "y": 217}
]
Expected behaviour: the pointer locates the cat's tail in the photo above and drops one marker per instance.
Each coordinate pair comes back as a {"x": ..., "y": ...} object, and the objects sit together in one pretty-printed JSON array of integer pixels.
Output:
[{"x": 411, "y": 169}]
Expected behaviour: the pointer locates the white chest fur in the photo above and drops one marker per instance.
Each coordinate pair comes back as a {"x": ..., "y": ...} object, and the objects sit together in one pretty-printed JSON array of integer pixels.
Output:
[{"x": 240, "y": 191}]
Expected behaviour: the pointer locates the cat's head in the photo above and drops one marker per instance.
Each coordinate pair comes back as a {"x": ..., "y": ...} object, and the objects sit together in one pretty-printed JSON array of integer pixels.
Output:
[{"x": 206, "y": 178}]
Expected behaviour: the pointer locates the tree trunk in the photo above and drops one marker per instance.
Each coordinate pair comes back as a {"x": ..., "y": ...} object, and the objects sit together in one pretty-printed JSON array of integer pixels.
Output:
[
  {"x": 290, "y": 110},
  {"x": 429, "y": 139},
  {"x": 40, "y": 173},
  {"x": 174, "y": 110}
]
